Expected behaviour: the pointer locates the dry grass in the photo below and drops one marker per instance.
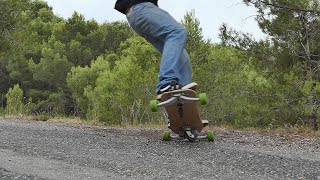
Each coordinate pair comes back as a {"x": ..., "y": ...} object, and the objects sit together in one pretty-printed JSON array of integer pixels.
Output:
[
  {"x": 76, "y": 121},
  {"x": 293, "y": 131},
  {"x": 11, "y": 117},
  {"x": 79, "y": 121},
  {"x": 288, "y": 132}
]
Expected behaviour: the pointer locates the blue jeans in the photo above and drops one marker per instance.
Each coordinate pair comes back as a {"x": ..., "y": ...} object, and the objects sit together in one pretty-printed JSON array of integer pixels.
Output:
[{"x": 168, "y": 37}]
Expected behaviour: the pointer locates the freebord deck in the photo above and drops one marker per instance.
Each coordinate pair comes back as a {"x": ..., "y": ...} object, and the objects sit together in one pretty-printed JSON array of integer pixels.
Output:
[
  {"x": 183, "y": 111},
  {"x": 183, "y": 114}
]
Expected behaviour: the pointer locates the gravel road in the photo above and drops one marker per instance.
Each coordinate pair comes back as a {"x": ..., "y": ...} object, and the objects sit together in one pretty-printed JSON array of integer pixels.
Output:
[{"x": 43, "y": 150}]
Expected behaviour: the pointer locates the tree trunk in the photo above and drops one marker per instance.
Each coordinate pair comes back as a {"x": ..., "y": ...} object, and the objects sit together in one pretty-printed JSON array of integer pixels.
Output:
[{"x": 313, "y": 122}]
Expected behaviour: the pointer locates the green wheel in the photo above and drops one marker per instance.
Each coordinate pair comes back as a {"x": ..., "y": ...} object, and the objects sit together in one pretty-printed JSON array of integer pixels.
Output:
[
  {"x": 211, "y": 136},
  {"x": 154, "y": 105},
  {"x": 166, "y": 136},
  {"x": 203, "y": 98}
]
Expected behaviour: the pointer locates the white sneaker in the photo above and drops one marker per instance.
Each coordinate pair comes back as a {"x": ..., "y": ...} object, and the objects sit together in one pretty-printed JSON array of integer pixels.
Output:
[
  {"x": 193, "y": 86},
  {"x": 167, "y": 88}
]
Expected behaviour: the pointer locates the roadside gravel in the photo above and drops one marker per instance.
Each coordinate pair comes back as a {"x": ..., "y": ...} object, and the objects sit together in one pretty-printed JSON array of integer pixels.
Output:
[{"x": 44, "y": 150}]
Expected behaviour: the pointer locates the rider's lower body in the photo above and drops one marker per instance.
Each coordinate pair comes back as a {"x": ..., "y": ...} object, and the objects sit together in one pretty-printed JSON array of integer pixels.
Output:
[{"x": 169, "y": 37}]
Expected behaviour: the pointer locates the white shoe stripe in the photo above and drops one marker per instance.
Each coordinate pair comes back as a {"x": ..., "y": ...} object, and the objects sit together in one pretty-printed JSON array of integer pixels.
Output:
[{"x": 164, "y": 89}]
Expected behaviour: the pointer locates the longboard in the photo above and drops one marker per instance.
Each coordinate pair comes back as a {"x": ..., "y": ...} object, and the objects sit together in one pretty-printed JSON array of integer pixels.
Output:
[{"x": 182, "y": 107}]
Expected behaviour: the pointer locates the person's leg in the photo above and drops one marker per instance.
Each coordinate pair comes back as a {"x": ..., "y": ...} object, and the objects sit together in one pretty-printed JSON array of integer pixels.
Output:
[
  {"x": 149, "y": 20},
  {"x": 156, "y": 43},
  {"x": 185, "y": 69}
]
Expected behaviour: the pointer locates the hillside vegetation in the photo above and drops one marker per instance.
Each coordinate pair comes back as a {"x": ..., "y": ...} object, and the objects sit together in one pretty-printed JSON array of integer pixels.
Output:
[{"x": 76, "y": 67}]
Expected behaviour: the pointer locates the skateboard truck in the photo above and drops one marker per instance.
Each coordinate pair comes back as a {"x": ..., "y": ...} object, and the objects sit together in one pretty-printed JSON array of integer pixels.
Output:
[{"x": 188, "y": 134}]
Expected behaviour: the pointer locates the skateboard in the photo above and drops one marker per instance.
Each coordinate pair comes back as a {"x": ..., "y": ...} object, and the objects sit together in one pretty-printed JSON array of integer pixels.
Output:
[{"x": 182, "y": 107}]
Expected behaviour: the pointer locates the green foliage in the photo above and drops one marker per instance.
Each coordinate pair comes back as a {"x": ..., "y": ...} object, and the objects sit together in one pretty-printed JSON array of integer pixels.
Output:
[
  {"x": 78, "y": 27},
  {"x": 115, "y": 91},
  {"x": 79, "y": 55},
  {"x": 110, "y": 36},
  {"x": 52, "y": 68},
  {"x": 197, "y": 46},
  {"x": 41, "y": 118},
  {"x": 80, "y": 79},
  {"x": 288, "y": 59},
  {"x": 235, "y": 90},
  {"x": 116, "y": 94},
  {"x": 14, "y": 101},
  {"x": 7, "y": 16},
  {"x": 53, "y": 105},
  {"x": 105, "y": 72}
]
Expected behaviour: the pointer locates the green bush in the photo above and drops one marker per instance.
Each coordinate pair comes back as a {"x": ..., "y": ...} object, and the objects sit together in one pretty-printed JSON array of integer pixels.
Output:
[
  {"x": 14, "y": 101},
  {"x": 42, "y": 117}
]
